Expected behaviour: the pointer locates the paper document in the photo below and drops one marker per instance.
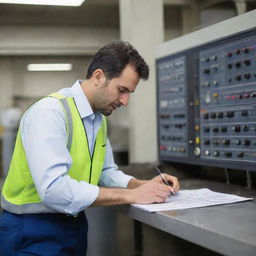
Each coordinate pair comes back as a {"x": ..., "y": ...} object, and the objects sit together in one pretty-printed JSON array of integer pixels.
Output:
[{"x": 186, "y": 199}]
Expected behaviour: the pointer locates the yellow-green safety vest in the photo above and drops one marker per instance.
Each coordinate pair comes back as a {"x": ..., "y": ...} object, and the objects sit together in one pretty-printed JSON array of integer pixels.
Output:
[{"x": 19, "y": 194}]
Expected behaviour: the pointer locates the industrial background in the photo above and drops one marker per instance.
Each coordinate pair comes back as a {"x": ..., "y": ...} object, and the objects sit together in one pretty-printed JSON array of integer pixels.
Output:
[{"x": 59, "y": 34}]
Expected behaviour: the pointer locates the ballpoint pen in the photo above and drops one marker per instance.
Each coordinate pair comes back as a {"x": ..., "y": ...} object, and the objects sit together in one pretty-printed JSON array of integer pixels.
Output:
[{"x": 164, "y": 180}]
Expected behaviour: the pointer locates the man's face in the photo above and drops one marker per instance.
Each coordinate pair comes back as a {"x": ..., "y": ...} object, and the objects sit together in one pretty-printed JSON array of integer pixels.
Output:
[{"x": 112, "y": 94}]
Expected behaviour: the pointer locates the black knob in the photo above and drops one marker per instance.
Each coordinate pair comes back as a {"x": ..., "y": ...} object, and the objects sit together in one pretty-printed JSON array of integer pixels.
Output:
[
  {"x": 206, "y": 115},
  {"x": 224, "y": 129},
  {"x": 206, "y": 70},
  {"x": 238, "y": 77},
  {"x": 230, "y": 65},
  {"x": 207, "y": 142},
  {"x": 228, "y": 154},
  {"x": 247, "y": 142},
  {"x": 238, "y": 52},
  {"x": 229, "y": 54},
  {"x": 246, "y": 128},
  {"x": 240, "y": 154},
  {"x": 226, "y": 142},
  {"x": 220, "y": 115},
  {"x": 247, "y": 62},
  {"x": 247, "y": 76},
  {"x": 246, "y": 50},
  {"x": 236, "y": 128},
  {"x": 238, "y": 64},
  {"x": 215, "y": 129},
  {"x": 244, "y": 113},
  {"x": 230, "y": 114},
  {"x": 206, "y": 129},
  {"x": 213, "y": 115}
]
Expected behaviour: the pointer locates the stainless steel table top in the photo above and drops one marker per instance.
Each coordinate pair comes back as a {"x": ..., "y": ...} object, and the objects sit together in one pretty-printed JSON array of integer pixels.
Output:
[{"x": 228, "y": 229}]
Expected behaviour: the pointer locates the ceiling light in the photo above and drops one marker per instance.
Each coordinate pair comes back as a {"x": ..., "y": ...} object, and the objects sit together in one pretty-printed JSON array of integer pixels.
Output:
[
  {"x": 44, "y": 2},
  {"x": 50, "y": 67}
]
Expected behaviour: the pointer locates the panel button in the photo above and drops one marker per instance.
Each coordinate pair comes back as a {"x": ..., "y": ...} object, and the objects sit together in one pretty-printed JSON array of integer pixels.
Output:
[
  {"x": 228, "y": 154},
  {"x": 236, "y": 128},
  {"x": 224, "y": 129},
  {"x": 246, "y": 128},
  {"x": 244, "y": 113},
  {"x": 237, "y": 142},
  {"x": 226, "y": 142},
  {"x": 216, "y": 142},
  {"x": 206, "y": 142},
  {"x": 220, "y": 115},
  {"x": 207, "y": 129},
  {"x": 247, "y": 62},
  {"x": 213, "y": 115},
  {"x": 230, "y": 114},
  {"x": 238, "y": 64},
  {"x": 216, "y": 153},
  {"x": 240, "y": 154},
  {"x": 206, "y": 115},
  {"x": 238, "y": 77},
  {"x": 247, "y": 142},
  {"x": 215, "y": 129}
]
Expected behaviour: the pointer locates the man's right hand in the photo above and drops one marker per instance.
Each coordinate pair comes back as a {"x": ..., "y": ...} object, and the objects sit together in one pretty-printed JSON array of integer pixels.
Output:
[{"x": 150, "y": 192}]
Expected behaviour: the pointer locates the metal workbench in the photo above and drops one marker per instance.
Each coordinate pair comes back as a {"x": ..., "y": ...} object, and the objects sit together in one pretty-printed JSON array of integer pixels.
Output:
[{"x": 227, "y": 229}]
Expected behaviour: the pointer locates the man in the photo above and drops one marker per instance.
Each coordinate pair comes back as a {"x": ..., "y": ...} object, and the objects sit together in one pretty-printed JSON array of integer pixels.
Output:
[{"x": 63, "y": 161}]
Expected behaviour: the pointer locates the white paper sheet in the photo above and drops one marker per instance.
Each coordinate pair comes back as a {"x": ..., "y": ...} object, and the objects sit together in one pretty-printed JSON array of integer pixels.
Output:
[{"x": 186, "y": 199}]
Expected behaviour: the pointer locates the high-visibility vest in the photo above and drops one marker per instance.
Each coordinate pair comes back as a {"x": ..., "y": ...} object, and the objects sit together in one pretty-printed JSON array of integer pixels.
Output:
[{"x": 19, "y": 194}]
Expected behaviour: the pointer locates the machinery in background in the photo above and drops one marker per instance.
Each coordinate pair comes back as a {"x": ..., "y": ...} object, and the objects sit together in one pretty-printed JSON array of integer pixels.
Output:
[{"x": 207, "y": 98}]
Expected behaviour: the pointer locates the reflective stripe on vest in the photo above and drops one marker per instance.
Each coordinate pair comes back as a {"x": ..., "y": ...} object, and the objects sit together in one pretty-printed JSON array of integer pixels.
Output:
[{"x": 19, "y": 194}]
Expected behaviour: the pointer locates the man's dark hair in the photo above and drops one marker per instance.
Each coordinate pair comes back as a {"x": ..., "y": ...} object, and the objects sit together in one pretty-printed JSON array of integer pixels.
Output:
[{"x": 113, "y": 58}]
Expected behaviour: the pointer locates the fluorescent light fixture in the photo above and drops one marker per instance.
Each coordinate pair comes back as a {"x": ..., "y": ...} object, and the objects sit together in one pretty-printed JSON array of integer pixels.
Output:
[
  {"x": 44, "y": 2},
  {"x": 50, "y": 67}
]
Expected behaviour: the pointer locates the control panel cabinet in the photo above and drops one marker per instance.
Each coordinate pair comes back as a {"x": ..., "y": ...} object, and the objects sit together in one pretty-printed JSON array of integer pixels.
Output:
[{"x": 207, "y": 104}]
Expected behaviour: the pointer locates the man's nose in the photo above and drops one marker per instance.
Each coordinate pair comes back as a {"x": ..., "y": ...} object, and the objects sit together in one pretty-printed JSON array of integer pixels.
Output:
[{"x": 124, "y": 99}]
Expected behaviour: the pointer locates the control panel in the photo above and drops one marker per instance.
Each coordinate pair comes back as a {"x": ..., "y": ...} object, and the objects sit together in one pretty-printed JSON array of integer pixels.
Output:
[
  {"x": 173, "y": 106},
  {"x": 207, "y": 103}
]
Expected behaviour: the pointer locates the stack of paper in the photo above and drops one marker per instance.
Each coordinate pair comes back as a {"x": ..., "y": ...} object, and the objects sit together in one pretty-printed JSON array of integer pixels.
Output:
[{"x": 186, "y": 199}]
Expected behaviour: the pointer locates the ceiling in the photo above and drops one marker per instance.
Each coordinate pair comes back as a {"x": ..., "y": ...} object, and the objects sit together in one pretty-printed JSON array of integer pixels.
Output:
[{"x": 92, "y": 13}]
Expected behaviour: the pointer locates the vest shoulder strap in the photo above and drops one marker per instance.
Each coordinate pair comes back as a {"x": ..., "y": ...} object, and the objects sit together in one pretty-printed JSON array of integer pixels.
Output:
[{"x": 67, "y": 112}]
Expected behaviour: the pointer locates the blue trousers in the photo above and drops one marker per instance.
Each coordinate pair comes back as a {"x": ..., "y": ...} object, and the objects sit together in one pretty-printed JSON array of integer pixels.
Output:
[{"x": 43, "y": 234}]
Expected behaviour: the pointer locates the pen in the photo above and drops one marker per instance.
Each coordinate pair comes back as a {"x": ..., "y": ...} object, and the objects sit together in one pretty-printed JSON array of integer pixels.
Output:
[{"x": 164, "y": 179}]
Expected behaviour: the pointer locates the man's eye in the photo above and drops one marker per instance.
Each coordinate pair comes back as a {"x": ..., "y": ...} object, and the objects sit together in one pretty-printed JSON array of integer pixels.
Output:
[{"x": 121, "y": 90}]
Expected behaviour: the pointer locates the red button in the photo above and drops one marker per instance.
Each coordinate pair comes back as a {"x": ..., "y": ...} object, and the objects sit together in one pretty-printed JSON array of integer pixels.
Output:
[{"x": 162, "y": 148}]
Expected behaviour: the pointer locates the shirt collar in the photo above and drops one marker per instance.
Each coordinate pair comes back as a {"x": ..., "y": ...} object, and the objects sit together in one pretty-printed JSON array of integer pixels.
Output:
[{"x": 82, "y": 103}]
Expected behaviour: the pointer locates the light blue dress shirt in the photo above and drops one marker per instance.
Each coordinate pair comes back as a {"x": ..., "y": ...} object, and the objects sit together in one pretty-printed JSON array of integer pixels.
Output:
[{"x": 44, "y": 137}]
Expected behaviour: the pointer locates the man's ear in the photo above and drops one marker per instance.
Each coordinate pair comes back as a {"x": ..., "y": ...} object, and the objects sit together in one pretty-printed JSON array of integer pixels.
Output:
[{"x": 98, "y": 77}]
